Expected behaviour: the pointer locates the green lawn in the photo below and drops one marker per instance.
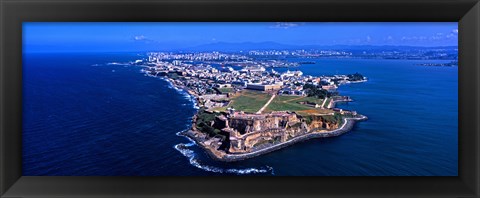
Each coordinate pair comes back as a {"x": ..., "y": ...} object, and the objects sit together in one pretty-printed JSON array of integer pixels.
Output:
[
  {"x": 313, "y": 99},
  {"x": 287, "y": 98},
  {"x": 326, "y": 103},
  {"x": 249, "y": 101},
  {"x": 291, "y": 103},
  {"x": 226, "y": 90},
  {"x": 220, "y": 109}
]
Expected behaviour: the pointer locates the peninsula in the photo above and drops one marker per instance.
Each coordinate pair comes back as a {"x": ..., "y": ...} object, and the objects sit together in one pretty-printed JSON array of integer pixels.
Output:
[{"x": 251, "y": 111}]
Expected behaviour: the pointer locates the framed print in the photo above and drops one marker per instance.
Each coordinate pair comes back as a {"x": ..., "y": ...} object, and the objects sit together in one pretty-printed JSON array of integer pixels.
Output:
[{"x": 139, "y": 99}]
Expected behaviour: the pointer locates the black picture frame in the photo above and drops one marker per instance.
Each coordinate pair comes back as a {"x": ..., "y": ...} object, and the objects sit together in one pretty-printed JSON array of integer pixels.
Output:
[{"x": 14, "y": 12}]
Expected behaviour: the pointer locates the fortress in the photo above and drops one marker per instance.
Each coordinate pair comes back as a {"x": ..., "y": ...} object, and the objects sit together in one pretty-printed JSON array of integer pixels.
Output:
[
  {"x": 248, "y": 132},
  {"x": 297, "y": 107}
]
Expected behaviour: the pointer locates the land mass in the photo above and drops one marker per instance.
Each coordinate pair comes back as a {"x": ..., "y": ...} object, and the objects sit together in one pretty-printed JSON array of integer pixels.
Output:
[{"x": 251, "y": 111}]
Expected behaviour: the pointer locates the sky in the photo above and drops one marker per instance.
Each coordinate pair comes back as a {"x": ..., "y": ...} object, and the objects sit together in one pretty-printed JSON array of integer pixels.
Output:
[{"x": 134, "y": 37}]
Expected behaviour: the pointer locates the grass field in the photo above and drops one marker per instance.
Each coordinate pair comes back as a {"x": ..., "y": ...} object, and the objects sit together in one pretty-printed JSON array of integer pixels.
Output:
[
  {"x": 313, "y": 99},
  {"x": 249, "y": 101},
  {"x": 291, "y": 103},
  {"x": 220, "y": 109},
  {"x": 226, "y": 90},
  {"x": 286, "y": 103},
  {"x": 327, "y": 102},
  {"x": 315, "y": 112}
]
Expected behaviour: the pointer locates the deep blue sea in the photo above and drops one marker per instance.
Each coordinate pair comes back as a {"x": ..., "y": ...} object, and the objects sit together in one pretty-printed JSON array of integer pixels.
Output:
[{"x": 85, "y": 117}]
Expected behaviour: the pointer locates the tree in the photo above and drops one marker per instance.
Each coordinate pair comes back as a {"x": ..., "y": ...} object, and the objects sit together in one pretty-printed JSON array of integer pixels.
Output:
[
  {"x": 315, "y": 91},
  {"x": 355, "y": 77}
]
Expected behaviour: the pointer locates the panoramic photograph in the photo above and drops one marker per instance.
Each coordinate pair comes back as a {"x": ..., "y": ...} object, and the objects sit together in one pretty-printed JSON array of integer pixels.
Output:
[{"x": 240, "y": 99}]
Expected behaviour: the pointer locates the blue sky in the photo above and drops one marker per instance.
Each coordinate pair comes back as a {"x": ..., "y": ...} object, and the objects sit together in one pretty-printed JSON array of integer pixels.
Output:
[{"x": 116, "y": 36}]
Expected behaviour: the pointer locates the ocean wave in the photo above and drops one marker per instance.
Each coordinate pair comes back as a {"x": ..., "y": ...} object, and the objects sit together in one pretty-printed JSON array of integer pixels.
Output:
[
  {"x": 184, "y": 93},
  {"x": 190, "y": 154}
]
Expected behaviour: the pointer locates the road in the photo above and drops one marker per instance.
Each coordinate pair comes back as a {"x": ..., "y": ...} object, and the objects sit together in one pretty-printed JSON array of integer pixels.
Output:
[
  {"x": 324, "y": 100},
  {"x": 266, "y": 104}
]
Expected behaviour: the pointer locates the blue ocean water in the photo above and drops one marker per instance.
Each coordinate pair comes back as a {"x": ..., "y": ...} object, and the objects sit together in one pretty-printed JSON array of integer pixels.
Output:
[{"x": 84, "y": 117}]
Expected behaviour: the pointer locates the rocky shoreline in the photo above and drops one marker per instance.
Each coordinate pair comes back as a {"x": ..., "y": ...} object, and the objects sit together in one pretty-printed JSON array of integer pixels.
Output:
[
  {"x": 197, "y": 136},
  {"x": 221, "y": 156}
]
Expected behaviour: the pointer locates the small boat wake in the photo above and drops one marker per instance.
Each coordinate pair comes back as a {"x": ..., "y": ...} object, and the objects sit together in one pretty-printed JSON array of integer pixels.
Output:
[{"x": 194, "y": 161}]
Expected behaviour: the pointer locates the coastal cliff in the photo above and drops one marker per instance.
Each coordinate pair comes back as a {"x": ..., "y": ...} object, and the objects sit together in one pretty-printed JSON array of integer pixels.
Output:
[
  {"x": 221, "y": 155},
  {"x": 236, "y": 136},
  {"x": 272, "y": 110}
]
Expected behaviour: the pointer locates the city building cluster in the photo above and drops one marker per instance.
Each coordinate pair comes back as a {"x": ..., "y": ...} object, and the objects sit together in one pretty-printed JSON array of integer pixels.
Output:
[
  {"x": 227, "y": 134},
  {"x": 204, "y": 78}
]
